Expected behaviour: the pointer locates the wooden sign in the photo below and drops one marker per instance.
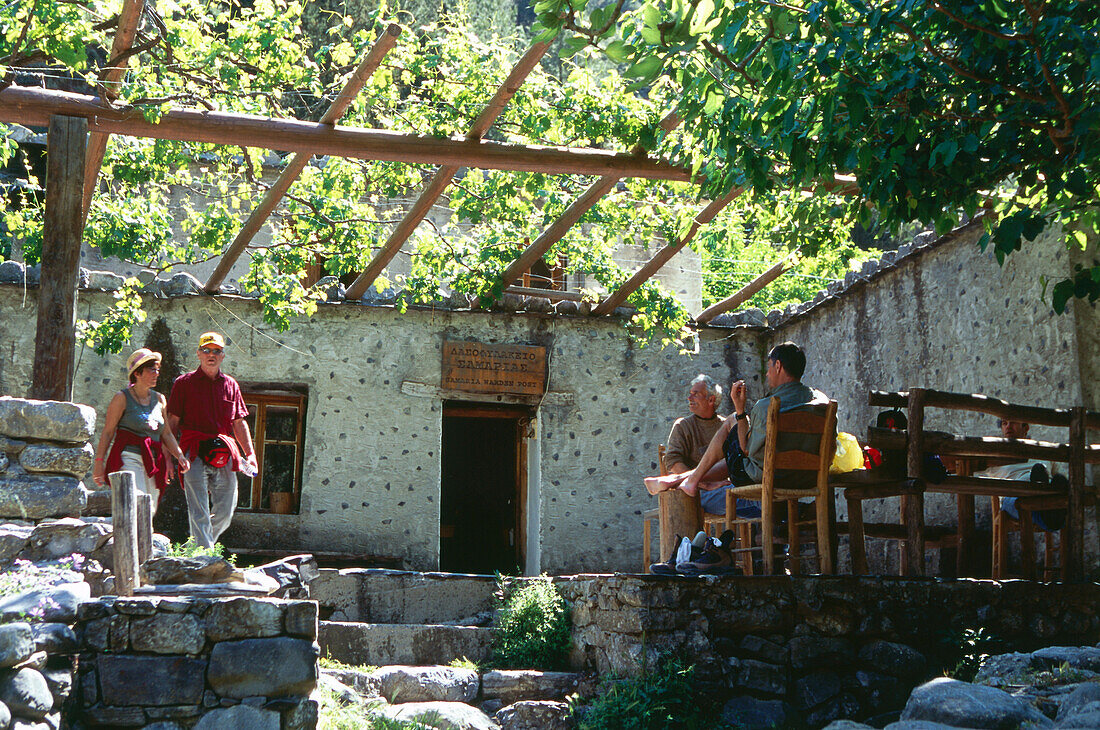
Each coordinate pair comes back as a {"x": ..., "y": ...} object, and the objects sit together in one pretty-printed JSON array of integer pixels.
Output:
[{"x": 475, "y": 367}]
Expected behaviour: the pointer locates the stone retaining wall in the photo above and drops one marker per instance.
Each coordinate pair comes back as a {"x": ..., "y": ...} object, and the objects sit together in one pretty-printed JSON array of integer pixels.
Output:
[
  {"x": 828, "y": 647},
  {"x": 44, "y": 454},
  {"x": 197, "y": 662}
]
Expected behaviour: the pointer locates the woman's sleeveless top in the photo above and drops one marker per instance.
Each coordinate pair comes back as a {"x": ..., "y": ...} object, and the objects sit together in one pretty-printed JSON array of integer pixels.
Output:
[{"x": 142, "y": 420}]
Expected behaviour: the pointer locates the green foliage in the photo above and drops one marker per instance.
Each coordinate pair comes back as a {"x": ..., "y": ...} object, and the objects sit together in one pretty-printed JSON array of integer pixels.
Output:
[
  {"x": 935, "y": 110},
  {"x": 117, "y": 327},
  {"x": 463, "y": 663},
  {"x": 327, "y": 662},
  {"x": 966, "y": 650},
  {"x": 532, "y": 631},
  {"x": 664, "y": 696},
  {"x": 336, "y": 714},
  {"x": 191, "y": 549}
]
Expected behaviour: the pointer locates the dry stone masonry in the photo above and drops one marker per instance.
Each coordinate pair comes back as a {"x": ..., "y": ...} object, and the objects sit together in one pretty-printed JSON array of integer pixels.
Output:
[
  {"x": 44, "y": 454},
  {"x": 197, "y": 662}
]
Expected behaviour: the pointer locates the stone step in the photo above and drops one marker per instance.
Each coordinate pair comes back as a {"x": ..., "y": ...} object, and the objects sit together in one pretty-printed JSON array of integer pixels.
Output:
[
  {"x": 381, "y": 596},
  {"x": 376, "y": 644}
]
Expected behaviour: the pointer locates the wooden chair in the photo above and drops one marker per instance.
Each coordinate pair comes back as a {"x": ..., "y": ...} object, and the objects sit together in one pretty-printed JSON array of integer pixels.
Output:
[
  {"x": 769, "y": 492},
  {"x": 1003, "y": 524},
  {"x": 674, "y": 511}
]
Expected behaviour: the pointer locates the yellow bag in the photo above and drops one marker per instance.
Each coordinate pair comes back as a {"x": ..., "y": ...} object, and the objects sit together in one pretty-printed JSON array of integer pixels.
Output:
[{"x": 848, "y": 456}]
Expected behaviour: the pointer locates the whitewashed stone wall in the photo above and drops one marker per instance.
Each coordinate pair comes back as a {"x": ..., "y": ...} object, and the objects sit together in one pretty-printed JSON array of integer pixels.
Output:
[
  {"x": 371, "y": 476},
  {"x": 947, "y": 316},
  {"x": 944, "y": 316}
]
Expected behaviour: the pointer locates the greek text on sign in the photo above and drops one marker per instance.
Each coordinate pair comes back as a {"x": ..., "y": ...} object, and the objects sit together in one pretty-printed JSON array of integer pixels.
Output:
[{"x": 476, "y": 367}]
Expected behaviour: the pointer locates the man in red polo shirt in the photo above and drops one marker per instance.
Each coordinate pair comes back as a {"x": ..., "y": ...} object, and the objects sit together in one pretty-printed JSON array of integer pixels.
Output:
[{"x": 207, "y": 413}]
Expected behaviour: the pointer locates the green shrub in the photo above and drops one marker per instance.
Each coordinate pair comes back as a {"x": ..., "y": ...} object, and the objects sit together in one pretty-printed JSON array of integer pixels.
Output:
[
  {"x": 967, "y": 650},
  {"x": 532, "y": 631},
  {"x": 192, "y": 549},
  {"x": 662, "y": 697}
]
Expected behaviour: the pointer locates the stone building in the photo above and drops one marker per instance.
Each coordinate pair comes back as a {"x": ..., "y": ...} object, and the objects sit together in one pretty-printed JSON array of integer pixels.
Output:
[{"x": 381, "y": 458}]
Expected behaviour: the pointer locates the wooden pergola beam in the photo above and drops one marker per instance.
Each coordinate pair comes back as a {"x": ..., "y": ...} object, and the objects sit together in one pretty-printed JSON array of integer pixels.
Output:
[
  {"x": 745, "y": 292},
  {"x": 35, "y": 106},
  {"x": 128, "y": 19},
  {"x": 443, "y": 176},
  {"x": 556, "y": 230},
  {"x": 299, "y": 160},
  {"x": 662, "y": 257}
]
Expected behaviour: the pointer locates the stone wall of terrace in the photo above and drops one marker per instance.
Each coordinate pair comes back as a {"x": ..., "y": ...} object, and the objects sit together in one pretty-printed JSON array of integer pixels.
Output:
[
  {"x": 826, "y": 647},
  {"x": 197, "y": 662}
]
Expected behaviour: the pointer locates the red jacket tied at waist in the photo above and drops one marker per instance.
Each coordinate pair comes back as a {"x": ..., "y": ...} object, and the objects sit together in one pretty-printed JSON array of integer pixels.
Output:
[
  {"x": 152, "y": 457},
  {"x": 190, "y": 440}
]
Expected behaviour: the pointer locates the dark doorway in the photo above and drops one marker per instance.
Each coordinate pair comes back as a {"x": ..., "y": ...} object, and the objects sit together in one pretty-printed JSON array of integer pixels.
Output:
[{"x": 483, "y": 490}]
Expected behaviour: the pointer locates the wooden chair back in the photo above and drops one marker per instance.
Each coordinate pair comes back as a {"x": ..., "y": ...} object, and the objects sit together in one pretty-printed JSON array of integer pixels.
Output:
[{"x": 785, "y": 464}]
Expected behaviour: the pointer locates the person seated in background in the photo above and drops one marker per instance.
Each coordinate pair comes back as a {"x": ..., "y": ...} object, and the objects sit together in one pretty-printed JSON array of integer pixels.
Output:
[
  {"x": 690, "y": 435},
  {"x": 737, "y": 450},
  {"x": 1037, "y": 472}
]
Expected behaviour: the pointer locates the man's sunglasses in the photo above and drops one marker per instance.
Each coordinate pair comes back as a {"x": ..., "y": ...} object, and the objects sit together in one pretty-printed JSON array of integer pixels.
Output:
[{"x": 210, "y": 350}]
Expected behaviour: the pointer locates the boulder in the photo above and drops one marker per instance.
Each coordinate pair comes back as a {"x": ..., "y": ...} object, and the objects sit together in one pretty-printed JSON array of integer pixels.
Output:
[
  {"x": 57, "y": 604},
  {"x": 5, "y": 715},
  {"x": 199, "y": 569},
  {"x": 54, "y": 638},
  {"x": 293, "y": 574},
  {"x": 28, "y": 497},
  {"x": 1002, "y": 669},
  {"x": 180, "y": 285},
  {"x": 239, "y": 717},
  {"x": 441, "y": 715},
  {"x": 847, "y": 725},
  {"x": 16, "y": 644},
  {"x": 12, "y": 540},
  {"x": 301, "y": 619},
  {"x": 277, "y": 667},
  {"x": 105, "y": 280},
  {"x": 1084, "y": 716},
  {"x": 46, "y": 420},
  {"x": 952, "y": 702},
  {"x": 60, "y": 682},
  {"x": 328, "y": 682},
  {"x": 527, "y": 684},
  {"x": 1084, "y": 694},
  {"x": 751, "y": 713},
  {"x": 12, "y": 272},
  {"x": 26, "y": 693},
  {"x": 815, "y": 689},
  {"x": 896, "y": 660},
  {"x": 72, "y": 460},
  {"x": 535, "y": 715},
  {"x": 239, "y": 618},
  {"x": 427, "y": 684},
  {"x": 59, "y": 538},
  {"x": 1077, "y": 657},
  {"x": 365, "y": 684},
  {"x": 302, "y": 716}
]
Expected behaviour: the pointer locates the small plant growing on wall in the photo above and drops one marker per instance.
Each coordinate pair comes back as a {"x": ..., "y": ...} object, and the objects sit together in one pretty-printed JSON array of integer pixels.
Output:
[
  {"x": 663, "y": 697},
  {"x": 968, "y": 649},
  {"x": 532, "y": 630}
]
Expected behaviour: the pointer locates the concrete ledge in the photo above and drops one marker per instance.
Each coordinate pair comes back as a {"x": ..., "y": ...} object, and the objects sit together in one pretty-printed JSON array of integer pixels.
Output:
[{"x": 386, "y": 644}]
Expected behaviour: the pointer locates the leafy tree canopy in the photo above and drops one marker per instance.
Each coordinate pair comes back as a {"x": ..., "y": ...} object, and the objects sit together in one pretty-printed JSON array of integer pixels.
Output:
[
  {"x": 163, "y": 204},
  {"x": 937, "y": 108}
]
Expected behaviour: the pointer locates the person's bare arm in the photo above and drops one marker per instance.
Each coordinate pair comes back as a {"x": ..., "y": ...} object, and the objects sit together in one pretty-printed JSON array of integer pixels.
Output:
[
  {"x": 244, "y": 437},
  {"x": 712, "y": 467},
  {"x": 115, "y": 410},
  {"x": 173, "y": 454}
]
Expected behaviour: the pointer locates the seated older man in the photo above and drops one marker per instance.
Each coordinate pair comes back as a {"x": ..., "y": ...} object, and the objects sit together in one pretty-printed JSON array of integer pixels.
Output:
[
  {"x": 1039, "y": 472},
  {"x": 690, "y": 435}
]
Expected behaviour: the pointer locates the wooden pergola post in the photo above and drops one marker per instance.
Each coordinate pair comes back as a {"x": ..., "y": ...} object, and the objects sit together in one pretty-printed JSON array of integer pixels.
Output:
[{"x": 55, "y": 342}]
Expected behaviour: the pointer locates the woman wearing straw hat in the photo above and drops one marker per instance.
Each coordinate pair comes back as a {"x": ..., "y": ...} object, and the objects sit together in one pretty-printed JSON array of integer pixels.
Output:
[{"x": 134, "y": 430}]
